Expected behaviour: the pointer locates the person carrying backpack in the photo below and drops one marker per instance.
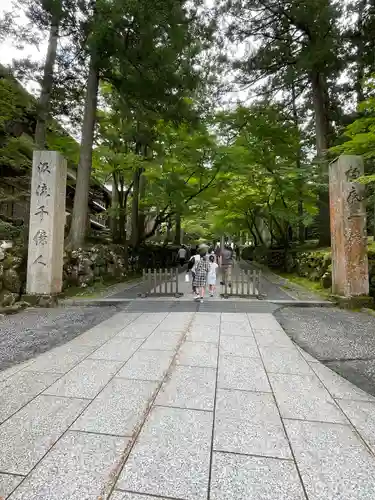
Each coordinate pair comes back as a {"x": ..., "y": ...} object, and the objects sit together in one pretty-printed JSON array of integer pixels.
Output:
[
  {"x": 201, "y": 270},
  {"x": 194, "y": 259},
  {"x": 226, "y": 264}
]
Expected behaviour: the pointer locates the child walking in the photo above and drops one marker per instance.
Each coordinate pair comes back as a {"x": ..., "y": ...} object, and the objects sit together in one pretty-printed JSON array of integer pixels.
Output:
[{"x": 211, "y": 277}]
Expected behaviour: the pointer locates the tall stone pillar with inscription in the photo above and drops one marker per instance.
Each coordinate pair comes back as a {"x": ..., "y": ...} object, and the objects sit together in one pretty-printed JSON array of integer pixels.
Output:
[
  {"x": 47, "y": 220},
  {"x": 348, "y": 228}
]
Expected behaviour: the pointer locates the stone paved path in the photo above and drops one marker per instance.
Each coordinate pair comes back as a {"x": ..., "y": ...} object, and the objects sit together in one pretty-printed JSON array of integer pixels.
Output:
[{"x": 190, "y": 405}]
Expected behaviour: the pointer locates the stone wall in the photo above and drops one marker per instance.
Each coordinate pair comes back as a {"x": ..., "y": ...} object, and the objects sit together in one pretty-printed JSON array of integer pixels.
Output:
[
  {"x": 11, "y": 276},
  {"x": 82, "y": 268},
  {"x": 313, "y": 265}
]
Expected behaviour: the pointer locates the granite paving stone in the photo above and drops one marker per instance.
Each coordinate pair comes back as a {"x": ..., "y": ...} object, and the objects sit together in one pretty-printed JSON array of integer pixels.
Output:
[
  {"x": 154, "y": 318},
  {"x": 198, "y": 354},
  {"x": 80, "y": 466},
  {"x": 20, "y": 389},
  {"x": 174, "y": 323},
  {"x": 118, "y": 409},
  {"x": 284, "y": 360},
  {"x": 239, "y": 477},
  {"x": 147, "y": 365},
  {"x": 189, "y": 387},
  {"x": 117, "y": 349},
  {"x": 239, "y": 320},
  {"x": 120, "y": 320},
  {"x": 362, "y": 416},
  {"x": 172, "y": 455},
  {"x": 203, "y": 334},
  {"x": 238, "y": 346},
  {"x": 338, "y": 386},
  {"x": 134, "y": 331},
  {"x": 106, "y": 330},
  {"x": 242, "y": 373},
  {"x": 233, "y": 318},
  {"x": 86, "y": 379},
  {"x": 162, "y": 341},
  {"x": 10, "y": 372},
  {"x": 272, "y": 338},
  {"x": 263, "y": 322},
  {"x": 94, "y": 338},
  {"x": 8, "y": 483},
  {"x": 333, "y": 462},
  {"x": 360, "y": 372},
  {"x": 249, "y": 423},
  {"x": 121, "y": 495},
  {"x": 304, "y": 397},
  {"x": 61, "y": 359},
  {"x": 31, "y": 432},
  {"x": 306, "y": 355},
  {"x": 275, "y": 329},
  {"x": 203, "y": 318},
  {"x": 236, "y": 329}
]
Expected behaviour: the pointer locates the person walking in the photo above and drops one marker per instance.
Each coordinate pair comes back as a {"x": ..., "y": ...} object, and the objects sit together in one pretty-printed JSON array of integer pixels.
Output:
[
  {"x": 192, "y": 264},
  {"x": 226, "y": 264},
  {"x": 181, "y": 255},
  {"x": 201, "y": 271},
  {"x": 211, "y": 277}
]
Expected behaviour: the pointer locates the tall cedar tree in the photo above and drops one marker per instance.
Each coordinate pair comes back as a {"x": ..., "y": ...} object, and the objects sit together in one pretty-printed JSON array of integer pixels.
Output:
[
  {"x": 302, "y": 35},
  {"x": 147, "y": 52}
]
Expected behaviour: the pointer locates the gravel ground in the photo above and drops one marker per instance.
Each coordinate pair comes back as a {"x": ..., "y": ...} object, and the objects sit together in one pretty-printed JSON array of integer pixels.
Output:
[
  {"x": 33, "y": 331},
  {"x": 342, "y": 340}
]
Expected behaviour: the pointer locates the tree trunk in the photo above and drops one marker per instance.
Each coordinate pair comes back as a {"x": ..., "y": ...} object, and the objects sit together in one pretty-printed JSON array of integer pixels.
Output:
[
  {"x": 142, "y": 214},
  {"x": 168, "y": 232},
  {"x": 81, "y": 195},
  {"x": 122, "y": 226},
  {"x": 47, "y": 83},
  {"x": 301, "y": 227},
  {"x": 135, "y": 208},
  {"x": 114, "y": 221},
  {"x": 43, "y": 106},
  {"x": 322, "y": 134},
  {"x": 360, "y": 72},
  {"x": 177, "y": 238}
]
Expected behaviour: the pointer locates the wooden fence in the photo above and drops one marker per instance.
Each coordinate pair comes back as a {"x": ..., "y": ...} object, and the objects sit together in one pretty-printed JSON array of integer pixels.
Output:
[
  {"x": 161, "y": 283},
  {"x": 243, "y": 284}
]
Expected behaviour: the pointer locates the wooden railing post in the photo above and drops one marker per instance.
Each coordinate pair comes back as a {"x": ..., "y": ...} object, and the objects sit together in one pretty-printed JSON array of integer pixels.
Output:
[{"x": 176, "y": 274}]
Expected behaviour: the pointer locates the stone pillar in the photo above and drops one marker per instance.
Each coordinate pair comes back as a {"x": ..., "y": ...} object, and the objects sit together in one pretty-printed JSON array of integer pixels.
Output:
[
  {"x": 348, "y": 228},
  {"x": 47, "y": 220}
]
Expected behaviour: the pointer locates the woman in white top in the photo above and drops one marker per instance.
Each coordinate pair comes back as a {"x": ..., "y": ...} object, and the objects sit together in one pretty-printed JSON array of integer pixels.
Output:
[{"x": 211, "y": 277}]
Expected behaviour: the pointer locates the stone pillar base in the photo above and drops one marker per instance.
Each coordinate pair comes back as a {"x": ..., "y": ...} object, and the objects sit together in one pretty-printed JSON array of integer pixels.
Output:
[
  {"x": 38, "y": 300},
  {"x": 359, "y": 302}
]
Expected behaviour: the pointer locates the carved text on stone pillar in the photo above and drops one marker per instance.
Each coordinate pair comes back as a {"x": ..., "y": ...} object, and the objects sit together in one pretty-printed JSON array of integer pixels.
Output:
[
  {"x": 47, "y": 219},
  {"x": 40, "y": 237},
  {"x": 348, "y": 227}
]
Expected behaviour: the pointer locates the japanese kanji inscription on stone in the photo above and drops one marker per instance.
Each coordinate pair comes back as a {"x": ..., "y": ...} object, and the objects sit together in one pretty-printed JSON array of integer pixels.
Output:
[
  {"x": 47, "y": 221},
  {"x": 348, "y": 227}
]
